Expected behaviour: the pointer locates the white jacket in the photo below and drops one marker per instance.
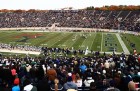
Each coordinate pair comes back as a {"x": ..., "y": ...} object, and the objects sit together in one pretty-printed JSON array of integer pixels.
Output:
[
  {"x": 87, "y": 82},
  {"x": 28, "y": 87}
]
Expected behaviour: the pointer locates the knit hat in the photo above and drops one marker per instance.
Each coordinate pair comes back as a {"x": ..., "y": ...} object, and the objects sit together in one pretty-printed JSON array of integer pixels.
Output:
[
  {"x": 55, "y": 65},
  {"x": 112, "y": 83},
  {"x": 69, "y": 74},
  {"x": 27, "y": 65},
  {"x": 119, "y": 72},
  {"x": 16, "y": 81},
  {"x": 69, "y": 79},
  {"x": 89, "y": 78},
  {"x": 138, "y": 73},
  {"x": 104, "y": 71}
]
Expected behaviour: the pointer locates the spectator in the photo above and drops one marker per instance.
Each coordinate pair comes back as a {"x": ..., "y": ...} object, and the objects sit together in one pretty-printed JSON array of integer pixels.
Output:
[
  {"x": 131, "y": 86},
  {"x": 43, "y": 85},
  {"x": 4, "y": 86},
  {"x": 51, "y": 73},
  {"x": 107, "y": 64},
  {"x": 112, "y": 84},
  {"x": 16, "y": 86},
  {"x": 93, "y": 86},
  {"x": 83, "y": 68},
  {"x": 56, "y": 86},
  {"x": 28, "y": 86},
  {"x": 88, "y": 81},
  {"x": 78, "y": 80},
  {"x": 70, "y": 85}
]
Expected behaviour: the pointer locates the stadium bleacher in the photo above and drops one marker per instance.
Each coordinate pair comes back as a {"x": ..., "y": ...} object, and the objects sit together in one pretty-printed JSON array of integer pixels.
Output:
[{"x": 123, "y": 20}]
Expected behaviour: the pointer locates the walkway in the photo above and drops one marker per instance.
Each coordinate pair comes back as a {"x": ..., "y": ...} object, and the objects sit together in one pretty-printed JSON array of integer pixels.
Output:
[{"x": 19, "y": 51}]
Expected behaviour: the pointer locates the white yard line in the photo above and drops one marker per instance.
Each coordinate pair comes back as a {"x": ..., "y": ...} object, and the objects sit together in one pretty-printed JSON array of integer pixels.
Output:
[
  {"x": 83, "y": 43},
  {"x": 102, "y": 43},
  {"x": 59, "y": 39},
  {"x": 78, "y": 36},
  {"x": 68, "y": 39},
  {"x": 126, "y": 51},
  {"x": 93, "y": 41}
]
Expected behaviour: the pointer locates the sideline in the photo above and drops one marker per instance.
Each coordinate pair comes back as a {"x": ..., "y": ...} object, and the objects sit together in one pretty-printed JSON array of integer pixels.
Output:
[
  {"x": 19, "y": 51},
  {"x": 38, "y": 53},
  {"x": 102, "y": 43},
  {"x": 93, "y": 40}
]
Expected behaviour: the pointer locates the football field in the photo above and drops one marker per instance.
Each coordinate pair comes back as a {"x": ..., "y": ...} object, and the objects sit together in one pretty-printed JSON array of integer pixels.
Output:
[{"x": 95, "y": 41}]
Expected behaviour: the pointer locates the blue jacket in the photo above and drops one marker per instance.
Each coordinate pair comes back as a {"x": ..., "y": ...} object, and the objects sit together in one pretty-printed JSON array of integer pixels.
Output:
[
  {"x": 16, "y": 88},
  {"x": 70, "y": 85},
  {"x": 83, "y": 68}
]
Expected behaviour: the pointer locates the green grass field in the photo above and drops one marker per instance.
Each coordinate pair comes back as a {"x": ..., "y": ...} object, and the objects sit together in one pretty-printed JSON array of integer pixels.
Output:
[
  {"x": 130, "y": 38},
  {"x": 99, "y": 41}
]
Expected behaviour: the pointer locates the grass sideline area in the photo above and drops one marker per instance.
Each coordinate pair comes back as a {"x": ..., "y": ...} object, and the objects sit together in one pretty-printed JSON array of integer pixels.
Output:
[
  {"x": 129, "y": 40},
  {"x": 96, "y": 41}
]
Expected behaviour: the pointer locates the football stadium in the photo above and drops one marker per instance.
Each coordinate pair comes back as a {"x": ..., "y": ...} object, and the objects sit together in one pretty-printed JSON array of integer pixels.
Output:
[
  {"x": 90, "y": 49},
  {"x": 108, "y": 42}
]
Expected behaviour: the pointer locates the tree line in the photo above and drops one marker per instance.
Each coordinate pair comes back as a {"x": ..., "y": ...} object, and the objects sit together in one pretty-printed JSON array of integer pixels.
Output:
[{"x": 112, "y": 7}]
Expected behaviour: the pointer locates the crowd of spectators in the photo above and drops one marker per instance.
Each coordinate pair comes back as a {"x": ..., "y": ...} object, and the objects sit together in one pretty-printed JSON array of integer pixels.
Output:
[
  {"x": 92, "y": 73},
  {"x": 20, "y": 47},
  {"x": 122, "y": 20}
]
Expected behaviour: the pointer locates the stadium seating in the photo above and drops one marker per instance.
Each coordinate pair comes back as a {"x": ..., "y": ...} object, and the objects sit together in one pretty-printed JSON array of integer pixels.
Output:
[{"x": 124, "y": 20}]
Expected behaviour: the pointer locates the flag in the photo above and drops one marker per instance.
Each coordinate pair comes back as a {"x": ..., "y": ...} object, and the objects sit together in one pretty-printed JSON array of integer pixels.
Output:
[{"x": 86, "y": 52}]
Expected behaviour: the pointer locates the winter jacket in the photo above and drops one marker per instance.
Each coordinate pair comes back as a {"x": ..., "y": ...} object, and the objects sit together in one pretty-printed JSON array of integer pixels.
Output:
[{"x": 29, "y": 88}]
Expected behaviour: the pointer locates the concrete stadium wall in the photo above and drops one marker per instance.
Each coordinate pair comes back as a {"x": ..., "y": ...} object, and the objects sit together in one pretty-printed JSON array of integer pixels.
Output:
[
  {"x": 23, "y": 28},
  {"x": 69, "y": 29},
  {"x": 56, "y": 28}
]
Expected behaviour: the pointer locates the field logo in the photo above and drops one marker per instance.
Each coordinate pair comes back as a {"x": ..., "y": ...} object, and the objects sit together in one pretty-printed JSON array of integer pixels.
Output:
[{"x": 24, "y": 37}]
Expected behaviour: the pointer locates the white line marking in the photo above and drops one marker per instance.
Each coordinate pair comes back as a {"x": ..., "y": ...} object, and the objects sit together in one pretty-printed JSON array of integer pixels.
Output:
[
  {"x": 93, "y": 41},
  {"x": 78, "y": 36},
  {"x": 83, "y": 43},
  {"x": 59, "y": 39},
  {"x": 102, "y": 43},
  {"x": 68, "y": 40},
  {"x": 126, "y": 51}
]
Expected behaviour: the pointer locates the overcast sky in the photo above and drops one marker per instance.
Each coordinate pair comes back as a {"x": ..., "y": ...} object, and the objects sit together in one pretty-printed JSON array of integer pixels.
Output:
[{"x": 58, "y": 4}]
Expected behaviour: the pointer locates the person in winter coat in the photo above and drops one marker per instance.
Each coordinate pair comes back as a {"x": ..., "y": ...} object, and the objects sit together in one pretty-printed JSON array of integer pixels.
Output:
[
  {"x": 16, "y": 86},
  {"x": 88, "y": 81},
  {"x": 56, "y": 86},
  {"x": 28, "y": 86},
  {"x": 51, "y": 73},
  {"x": 83, "y": 68},
  {"x": 43, "y": 85},
  {"x": 4, "y": 86},
  {"x": 70, "y": 85},
  {"x": 78, "y": 80},
  {"x": 112, "y": 86}
]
